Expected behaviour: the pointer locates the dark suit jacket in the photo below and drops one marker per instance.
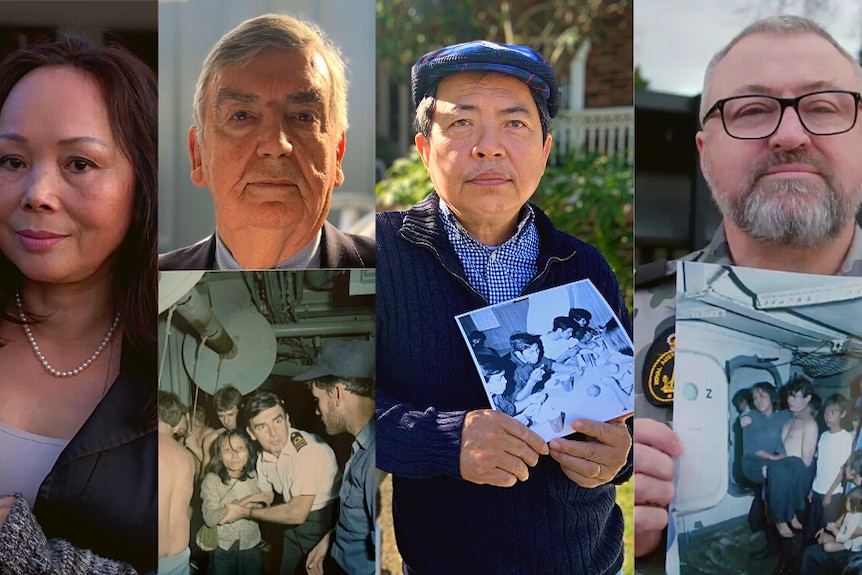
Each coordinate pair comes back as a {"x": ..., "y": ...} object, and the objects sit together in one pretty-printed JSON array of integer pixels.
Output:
[{"x": 338, "y": 250}]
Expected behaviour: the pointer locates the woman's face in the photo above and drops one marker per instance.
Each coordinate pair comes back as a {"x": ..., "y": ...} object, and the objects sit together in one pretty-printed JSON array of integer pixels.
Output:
[
  {"x": 762, "y": 401},
  {"x": 66, "y": 189},
  {"x": 234, "y": 455}
]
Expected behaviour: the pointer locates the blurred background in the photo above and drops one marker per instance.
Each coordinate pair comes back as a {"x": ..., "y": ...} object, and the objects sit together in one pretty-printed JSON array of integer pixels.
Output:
[
  {"x": 588, "y": 186},
  {"x": 131, "y": 23},
  {"x": 187, "y": 32},
  {"x": 674, "y": 41}
]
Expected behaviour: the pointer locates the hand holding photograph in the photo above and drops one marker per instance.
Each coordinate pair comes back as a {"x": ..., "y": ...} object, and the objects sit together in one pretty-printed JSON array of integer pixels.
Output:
[
  {"x": 767, "y": 370},
  {"x": 552, "y": 357}
]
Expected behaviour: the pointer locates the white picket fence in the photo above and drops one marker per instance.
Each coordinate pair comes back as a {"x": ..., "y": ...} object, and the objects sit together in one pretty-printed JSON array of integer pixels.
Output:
[{"x": 607, "y": 130}]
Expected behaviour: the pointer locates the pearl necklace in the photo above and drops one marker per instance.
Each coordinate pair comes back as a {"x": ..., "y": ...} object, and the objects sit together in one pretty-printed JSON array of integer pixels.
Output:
[{"x": 41, "y": 358}]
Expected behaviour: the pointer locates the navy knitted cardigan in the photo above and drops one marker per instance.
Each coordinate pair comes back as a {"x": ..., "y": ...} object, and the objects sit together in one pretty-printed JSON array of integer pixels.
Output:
[{"x": 426, "y": 382}]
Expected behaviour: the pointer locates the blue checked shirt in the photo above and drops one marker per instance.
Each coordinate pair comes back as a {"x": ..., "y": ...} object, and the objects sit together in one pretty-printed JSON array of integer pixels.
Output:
[{"x": 497, "y": 273}]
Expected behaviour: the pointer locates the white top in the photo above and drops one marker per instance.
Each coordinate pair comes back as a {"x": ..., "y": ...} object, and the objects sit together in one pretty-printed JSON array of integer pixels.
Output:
[
  {"x": 26, "y": 459},
  {"x": 848, "y": 526},
  {"x": 306, "y": 466},
  {"x": 833, "y": 449},
  {"x": 554, "y": 348}
]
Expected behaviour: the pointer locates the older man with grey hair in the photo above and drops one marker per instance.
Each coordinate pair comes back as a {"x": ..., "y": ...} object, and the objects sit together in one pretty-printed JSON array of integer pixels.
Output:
[
  {"x": 780, "y": 148},
  {"x": 270, "y": 119}
]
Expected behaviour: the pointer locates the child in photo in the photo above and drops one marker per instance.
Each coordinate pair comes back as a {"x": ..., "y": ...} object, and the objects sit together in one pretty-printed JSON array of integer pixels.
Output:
[
  {"x": 838, "y": 536},
  {"x": 833, "y": 449},
  {"x": 532, "y": 369},
  {"x": 494, "y": 371}
]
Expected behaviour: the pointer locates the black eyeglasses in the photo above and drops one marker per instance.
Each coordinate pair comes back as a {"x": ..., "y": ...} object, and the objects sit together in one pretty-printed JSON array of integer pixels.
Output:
[{"x": 754, "y": 117}]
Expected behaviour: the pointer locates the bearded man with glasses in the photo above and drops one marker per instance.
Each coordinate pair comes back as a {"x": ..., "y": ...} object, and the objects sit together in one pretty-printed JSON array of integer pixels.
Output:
[{"x": 781, "y": 150}]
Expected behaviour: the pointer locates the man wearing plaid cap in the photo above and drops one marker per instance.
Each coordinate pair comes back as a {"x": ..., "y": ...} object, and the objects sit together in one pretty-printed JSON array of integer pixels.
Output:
[{"x": 474, "y": 490}]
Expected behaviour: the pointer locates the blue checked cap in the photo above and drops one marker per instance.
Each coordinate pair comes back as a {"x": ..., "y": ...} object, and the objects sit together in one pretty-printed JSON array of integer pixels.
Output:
[{"x": 520, "y": 62}]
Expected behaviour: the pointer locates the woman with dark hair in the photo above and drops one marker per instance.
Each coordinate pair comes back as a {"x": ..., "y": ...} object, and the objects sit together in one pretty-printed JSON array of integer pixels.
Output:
[
  {"x": 78, "y": 184},
  {"x": 231, "y": 478}
]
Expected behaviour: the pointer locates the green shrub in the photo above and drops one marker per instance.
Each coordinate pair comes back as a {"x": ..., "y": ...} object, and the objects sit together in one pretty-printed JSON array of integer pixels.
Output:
[
  {"x": 406, "y": 183},
  {"x": 589, "y": 196}
]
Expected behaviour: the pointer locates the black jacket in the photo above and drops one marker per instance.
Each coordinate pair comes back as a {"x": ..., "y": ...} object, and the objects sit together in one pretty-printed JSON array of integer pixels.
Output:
[
  {"x": 338, "y": 250},
  {"x": 102, "y": 493}
]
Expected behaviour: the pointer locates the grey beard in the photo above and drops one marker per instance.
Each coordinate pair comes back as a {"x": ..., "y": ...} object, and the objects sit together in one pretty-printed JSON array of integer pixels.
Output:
[
  {"x": 795, "y": 213},
  {"x": 783, "y": 213}
]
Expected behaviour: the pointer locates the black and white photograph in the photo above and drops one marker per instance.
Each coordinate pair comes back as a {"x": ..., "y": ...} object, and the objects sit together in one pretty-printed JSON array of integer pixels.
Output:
[
  {"x": 767, "y": 376},
  {"x": 552, "y": 357}
]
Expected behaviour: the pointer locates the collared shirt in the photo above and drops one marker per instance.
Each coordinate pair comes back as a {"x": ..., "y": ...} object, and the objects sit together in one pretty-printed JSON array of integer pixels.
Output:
[
  {"x": 306, "y": 258},
  {"x": 718, "y": 252},
  {"x": 305, "y": 466},
  {"x": 353, "y": 548},
  {"x": 498, "y": 273}
]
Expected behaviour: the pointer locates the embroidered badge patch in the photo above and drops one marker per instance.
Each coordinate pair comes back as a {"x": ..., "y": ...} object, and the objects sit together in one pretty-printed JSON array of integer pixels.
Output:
[
  {"x": 658, "y": 369},
  {"x": 297, "y": 440}
]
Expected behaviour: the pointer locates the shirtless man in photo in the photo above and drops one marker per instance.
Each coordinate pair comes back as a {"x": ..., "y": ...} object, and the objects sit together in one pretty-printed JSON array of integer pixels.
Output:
[
  {"x": 789, "y": 476},
  {"x": 198, "y": 431},
  {"x": 176, "y": 481}
]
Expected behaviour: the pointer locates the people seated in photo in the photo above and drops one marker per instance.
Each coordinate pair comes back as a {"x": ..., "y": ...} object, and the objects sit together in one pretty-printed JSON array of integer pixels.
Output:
[
  {"x": 817, "y": 561},
  {"x": 742, "y": 402},
  {"x": 497, "y": 384},
  {"x": 582, "y": 317},
  {"x": 559, "y": 340},
  {"x": 477, "y": 342},
  {"x": 761, "y": 436},
  {"x": 532, "y": 369},
  {"x": 789, "y": 475},
  {"x": 839, "y": 535}
]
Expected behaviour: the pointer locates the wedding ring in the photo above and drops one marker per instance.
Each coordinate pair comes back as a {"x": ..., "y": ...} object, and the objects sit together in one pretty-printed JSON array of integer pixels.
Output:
[{"x": 598, "y": 471}]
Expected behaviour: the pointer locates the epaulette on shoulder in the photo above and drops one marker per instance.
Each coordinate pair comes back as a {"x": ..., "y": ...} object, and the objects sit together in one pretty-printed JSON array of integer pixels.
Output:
[
  {"x": 653, "y": 273},
  {"x": 297, "y": 440}
]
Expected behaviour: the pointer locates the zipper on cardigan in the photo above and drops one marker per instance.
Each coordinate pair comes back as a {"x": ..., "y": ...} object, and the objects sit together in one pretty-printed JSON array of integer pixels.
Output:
[
  {"x": 552, "y": 259},
  {"x": 445, "y": 267}
]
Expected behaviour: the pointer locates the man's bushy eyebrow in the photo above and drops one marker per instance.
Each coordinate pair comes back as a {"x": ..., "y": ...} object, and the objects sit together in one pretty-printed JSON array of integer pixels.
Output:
[
  {"x": 230, "y": 95},
  {"x": 307, "y": 96}
]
